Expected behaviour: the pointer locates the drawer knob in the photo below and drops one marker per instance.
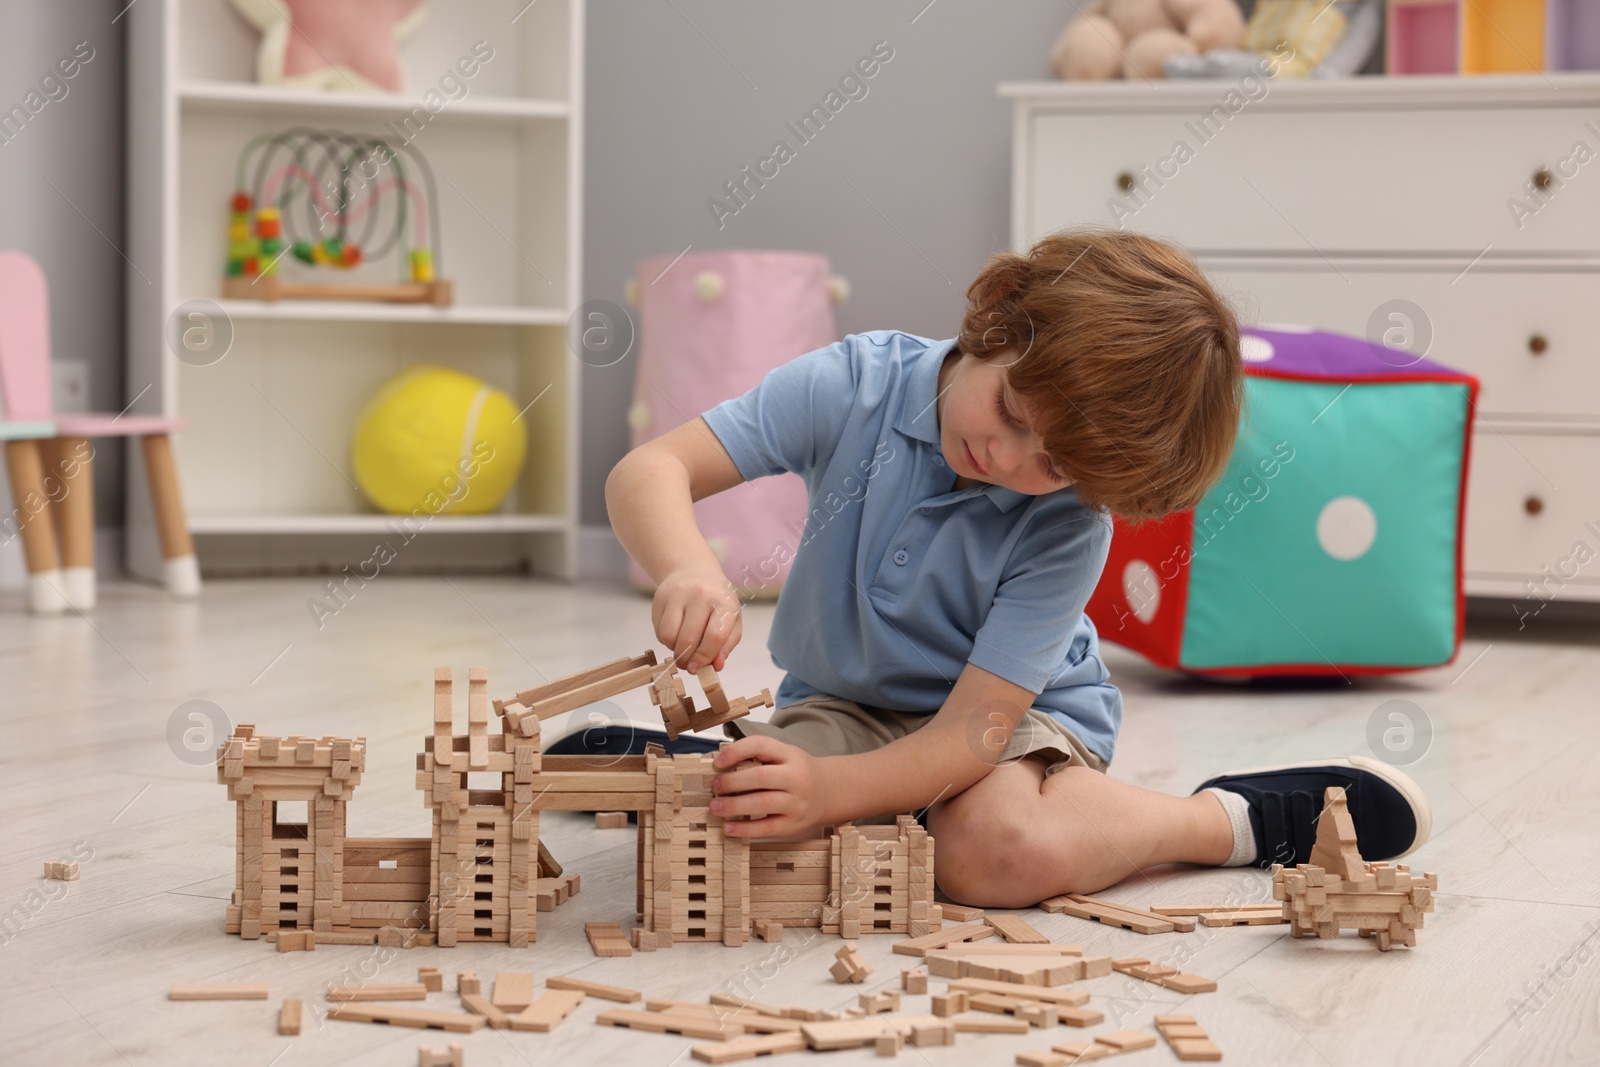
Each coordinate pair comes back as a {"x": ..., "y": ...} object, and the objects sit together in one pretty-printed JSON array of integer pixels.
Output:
[
  {"x": 1543, "y": 179},
  {"x": 1537, "y": 344},
  {"x": 1125, "y": 181},
  {"x": 1533, "y": 505}
]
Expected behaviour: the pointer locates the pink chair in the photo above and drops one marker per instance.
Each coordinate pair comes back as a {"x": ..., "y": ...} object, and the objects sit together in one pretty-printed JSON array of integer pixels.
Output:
[{"x": 51, "y": 463}]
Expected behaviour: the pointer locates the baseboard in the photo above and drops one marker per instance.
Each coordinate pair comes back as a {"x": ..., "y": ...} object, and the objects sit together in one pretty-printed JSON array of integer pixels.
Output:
[{"x": 601, "y": 555}]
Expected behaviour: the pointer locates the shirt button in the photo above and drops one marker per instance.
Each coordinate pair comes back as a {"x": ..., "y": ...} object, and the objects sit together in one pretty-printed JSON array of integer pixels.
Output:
[
  {"x": 938, "y": 460},
  {"x": 901, "y": 556}
]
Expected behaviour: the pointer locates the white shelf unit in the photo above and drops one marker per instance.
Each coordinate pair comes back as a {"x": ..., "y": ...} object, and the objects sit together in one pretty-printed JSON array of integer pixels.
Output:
[{"x": 264, "y": 461}]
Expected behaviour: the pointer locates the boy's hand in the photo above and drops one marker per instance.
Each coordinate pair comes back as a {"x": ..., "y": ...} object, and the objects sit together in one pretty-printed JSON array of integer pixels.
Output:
[
  {"x": 784, "y": 795},
  {"x": 696, "y": 614}
]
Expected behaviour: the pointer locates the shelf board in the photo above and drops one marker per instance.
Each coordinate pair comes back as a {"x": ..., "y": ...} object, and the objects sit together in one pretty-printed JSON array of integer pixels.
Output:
[
  {"x": 365, "y": 311},
  {"x": 251, "y": 96},
  {"x": 263, "y": 523}
]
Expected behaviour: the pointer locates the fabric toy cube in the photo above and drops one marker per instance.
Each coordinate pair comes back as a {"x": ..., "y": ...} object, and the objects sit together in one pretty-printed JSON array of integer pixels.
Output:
[
  {"x": 711, "y": 325},
  {"x": 1331, "y": 544}
]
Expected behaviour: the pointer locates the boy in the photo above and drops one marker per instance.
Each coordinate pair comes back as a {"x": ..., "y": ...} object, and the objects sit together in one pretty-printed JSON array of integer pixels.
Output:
[{"x": 938, "y": 659}]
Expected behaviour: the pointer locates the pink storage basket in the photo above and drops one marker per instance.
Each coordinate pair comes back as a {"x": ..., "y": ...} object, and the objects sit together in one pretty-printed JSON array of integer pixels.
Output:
[{"x": 710, "y": 328}]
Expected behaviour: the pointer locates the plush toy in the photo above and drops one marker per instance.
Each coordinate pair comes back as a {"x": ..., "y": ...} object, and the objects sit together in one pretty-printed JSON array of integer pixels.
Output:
[
  {"x": 1294, "y": 39},
  {"x": 332, "y": 44},
  {"x": 1134, "y": 38}
]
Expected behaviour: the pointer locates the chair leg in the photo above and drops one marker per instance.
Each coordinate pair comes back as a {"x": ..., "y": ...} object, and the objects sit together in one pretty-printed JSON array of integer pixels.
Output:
[
  {"x": 70, "y": 460},
  {"x": 31, "y": 514},
  {"x": 182, "y": 571}
]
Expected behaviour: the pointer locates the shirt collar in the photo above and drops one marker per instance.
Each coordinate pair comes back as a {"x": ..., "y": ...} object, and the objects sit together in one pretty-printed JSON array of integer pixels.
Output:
[{"x": 918, "y": 417}]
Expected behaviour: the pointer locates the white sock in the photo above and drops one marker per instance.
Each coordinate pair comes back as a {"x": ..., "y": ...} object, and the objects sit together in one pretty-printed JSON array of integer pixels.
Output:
[{"x": 1244, "y": 841}]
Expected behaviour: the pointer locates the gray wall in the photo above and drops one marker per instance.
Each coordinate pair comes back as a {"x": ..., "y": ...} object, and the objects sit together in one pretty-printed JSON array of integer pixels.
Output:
[
  {"x": 61, "y": 188},
  {"x": 681, "y": 95}
]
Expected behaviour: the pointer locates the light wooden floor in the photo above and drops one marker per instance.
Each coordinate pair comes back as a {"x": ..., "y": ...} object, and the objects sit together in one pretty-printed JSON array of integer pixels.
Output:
[{"x": 1505, "y": 972}]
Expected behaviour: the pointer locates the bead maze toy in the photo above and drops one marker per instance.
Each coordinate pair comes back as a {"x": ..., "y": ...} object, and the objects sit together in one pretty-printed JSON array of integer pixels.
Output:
[
  {"x": 483, "y": 872},
  {"x": 322, "y": 197}
]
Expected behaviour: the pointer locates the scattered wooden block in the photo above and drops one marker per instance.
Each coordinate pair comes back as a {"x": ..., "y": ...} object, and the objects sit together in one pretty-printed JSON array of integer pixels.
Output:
[
  {"x": 917, "y": 946},
  {"x": 848, "y": 966},
  {"x": 422, "y": 1018},
  {"x": 1068, "y": 997},
  {"x": 218, "y": 991},
  {"x": 1026, "y": 970},
  {"x": 454, "y": 1056},
  {"x": 961, "y": 913},
  {"x": 1165, "y": 976},
  {"x": 289, "y": 1017},
  {"x": 924, "y": 1031},
  {"x": 468, "y": 982},
  {"x": 913, "y": 980},
  {"x": 989, "y": 1024},
  {"x": 593, "y": 989},
  {"x": 1015, "y": 930},
  {"x": 1114, "y": 914},
  {"x": 845, "y": 1033},
  {"x": 513, "y": 991},
  {"x": 61, "y": 870},
  {"x": 297, "y": 940},
  {"x": 610, "y": 820},
  {"x": 478, "y": 1004},
  {"x": 546, "y": 1013},
  {"x": 363, "y": 991},
  {"x": 666, "y": 1022},
  {"x": 1227, "y": 914},
  {"x": 952, "y": 1002},
  {"x": 750, "y": 1047},
  {"x": 879, "y": 1003},
  {"x": 431, "y": 979},
  {"x": 769, "y": 929},
  {"x": 1189, "y": 1040},
  {"x": 607, "y": 939}
]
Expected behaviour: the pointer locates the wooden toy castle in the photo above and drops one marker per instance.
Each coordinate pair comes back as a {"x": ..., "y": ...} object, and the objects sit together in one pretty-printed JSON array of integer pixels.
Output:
[{"x": 483, "y": 875}]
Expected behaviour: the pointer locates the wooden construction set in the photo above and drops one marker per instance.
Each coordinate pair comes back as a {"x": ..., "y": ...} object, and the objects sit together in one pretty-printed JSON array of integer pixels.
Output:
[{"x": 483, "y": 874}]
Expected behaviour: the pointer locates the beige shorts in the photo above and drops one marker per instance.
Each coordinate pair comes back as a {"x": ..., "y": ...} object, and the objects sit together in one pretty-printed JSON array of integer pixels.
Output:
[{"x": 834, "y": 726}]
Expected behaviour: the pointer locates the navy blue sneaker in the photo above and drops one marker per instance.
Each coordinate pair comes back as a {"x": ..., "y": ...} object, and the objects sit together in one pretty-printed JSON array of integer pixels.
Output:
[
  {"x": 624, "y": 738},
  {"x": 1391, "y": 813}
]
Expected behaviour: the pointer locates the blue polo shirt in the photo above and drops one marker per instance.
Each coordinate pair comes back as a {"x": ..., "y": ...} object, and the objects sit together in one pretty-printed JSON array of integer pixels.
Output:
[{"x": 898, "y": 581}]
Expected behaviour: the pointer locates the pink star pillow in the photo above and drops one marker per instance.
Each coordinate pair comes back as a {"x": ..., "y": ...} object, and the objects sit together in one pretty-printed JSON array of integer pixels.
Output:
[{"x": 332, "y": 44}]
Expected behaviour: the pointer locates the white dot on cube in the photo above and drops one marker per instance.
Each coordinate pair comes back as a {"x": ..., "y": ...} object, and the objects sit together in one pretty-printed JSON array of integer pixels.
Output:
[
  {"x": 1253, "y": 349},
  {"x": 1142, "y": 589},
  {"x": 1346, "y": 527}
]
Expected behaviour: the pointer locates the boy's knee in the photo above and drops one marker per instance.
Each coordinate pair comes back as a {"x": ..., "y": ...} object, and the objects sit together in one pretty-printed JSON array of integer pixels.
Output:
[{"x": 983, "y": 858}]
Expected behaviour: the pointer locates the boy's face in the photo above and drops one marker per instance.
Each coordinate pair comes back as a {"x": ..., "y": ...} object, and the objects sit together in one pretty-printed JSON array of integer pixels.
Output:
[{"x": 983, "y": 428}]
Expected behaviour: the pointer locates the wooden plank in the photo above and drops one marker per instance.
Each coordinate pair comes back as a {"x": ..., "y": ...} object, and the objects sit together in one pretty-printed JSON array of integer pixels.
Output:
[
  {"x": 1083, "y": 907},
  {"x": 546, "y": 1013},
  {"x": 289, "y": 1017},
  {"x": 593, "y": 989},
  {"x": 218, "y": 991},
  {"x": 421, "y": 1018},
  {"x": 749, "y": 1047},
  {"x": 478, "y": 1004},
  {"x": 1016, "y": 930},
  {"x": 513, "y": 991},
  {"x": 359, "y": 991},
  {"x": 668, "y": 1023},
  {"x": 917, "y": 946},
  {"x": 1070, "y": 997}
]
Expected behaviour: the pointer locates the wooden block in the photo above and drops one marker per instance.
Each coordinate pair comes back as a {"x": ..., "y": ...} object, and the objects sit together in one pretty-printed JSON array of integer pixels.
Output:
[
  {"x": 610, "y": 820},
  {"x": 848, "y": 966},
  {"x": 431, "y": 979},
  {"x": 1015, "y": 930},
  {"x": 593, "y": 989},
  {"x": 468, "y": 982},
  {"x": 297, "y": 940},
  {"x": 454, "y": 1056},
  {"x": 607, "y": 939},
  {"x": 513, "y": 991},
  {"x": 750, "y": 1047},
  {"x": 988, "y": 1024},
  {"x": 1105, "y": 911},
  {"x": 478, "y": 1004},
  {"x": 1043, "y": 994},
  {"x": 769, "y": 929},
  {"x": 422, "y": 1018},
  {"x": 218, "y": 991},
  {"x": 289, "y": 1017},
  {"x": 914, "y": 980},
  {"x": 924, "y": 1031},
  {"x": 1188, "y": 1040},
  {"x": 668, "y": 1023},
  {"x": 888, "y": 1044},
  {"x": 918, "y": 946},
  {"x": 951, "y": 1002},
  {"x": 61, "y": 870},
  {"x": 879, "y": 1003},
  {"x": 845, "y": 1033},
  {"x": 366, "y": 991},
  {"x": 1127, "y": 1040},
  {"x": 546, "y": 1013},
  {"x": 961, "y": 913},
  {"x": 1167, "y": 977}
]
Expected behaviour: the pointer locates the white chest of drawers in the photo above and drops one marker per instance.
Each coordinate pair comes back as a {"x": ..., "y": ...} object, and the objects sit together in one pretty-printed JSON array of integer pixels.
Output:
[{"x": 1463, "y": 213}]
